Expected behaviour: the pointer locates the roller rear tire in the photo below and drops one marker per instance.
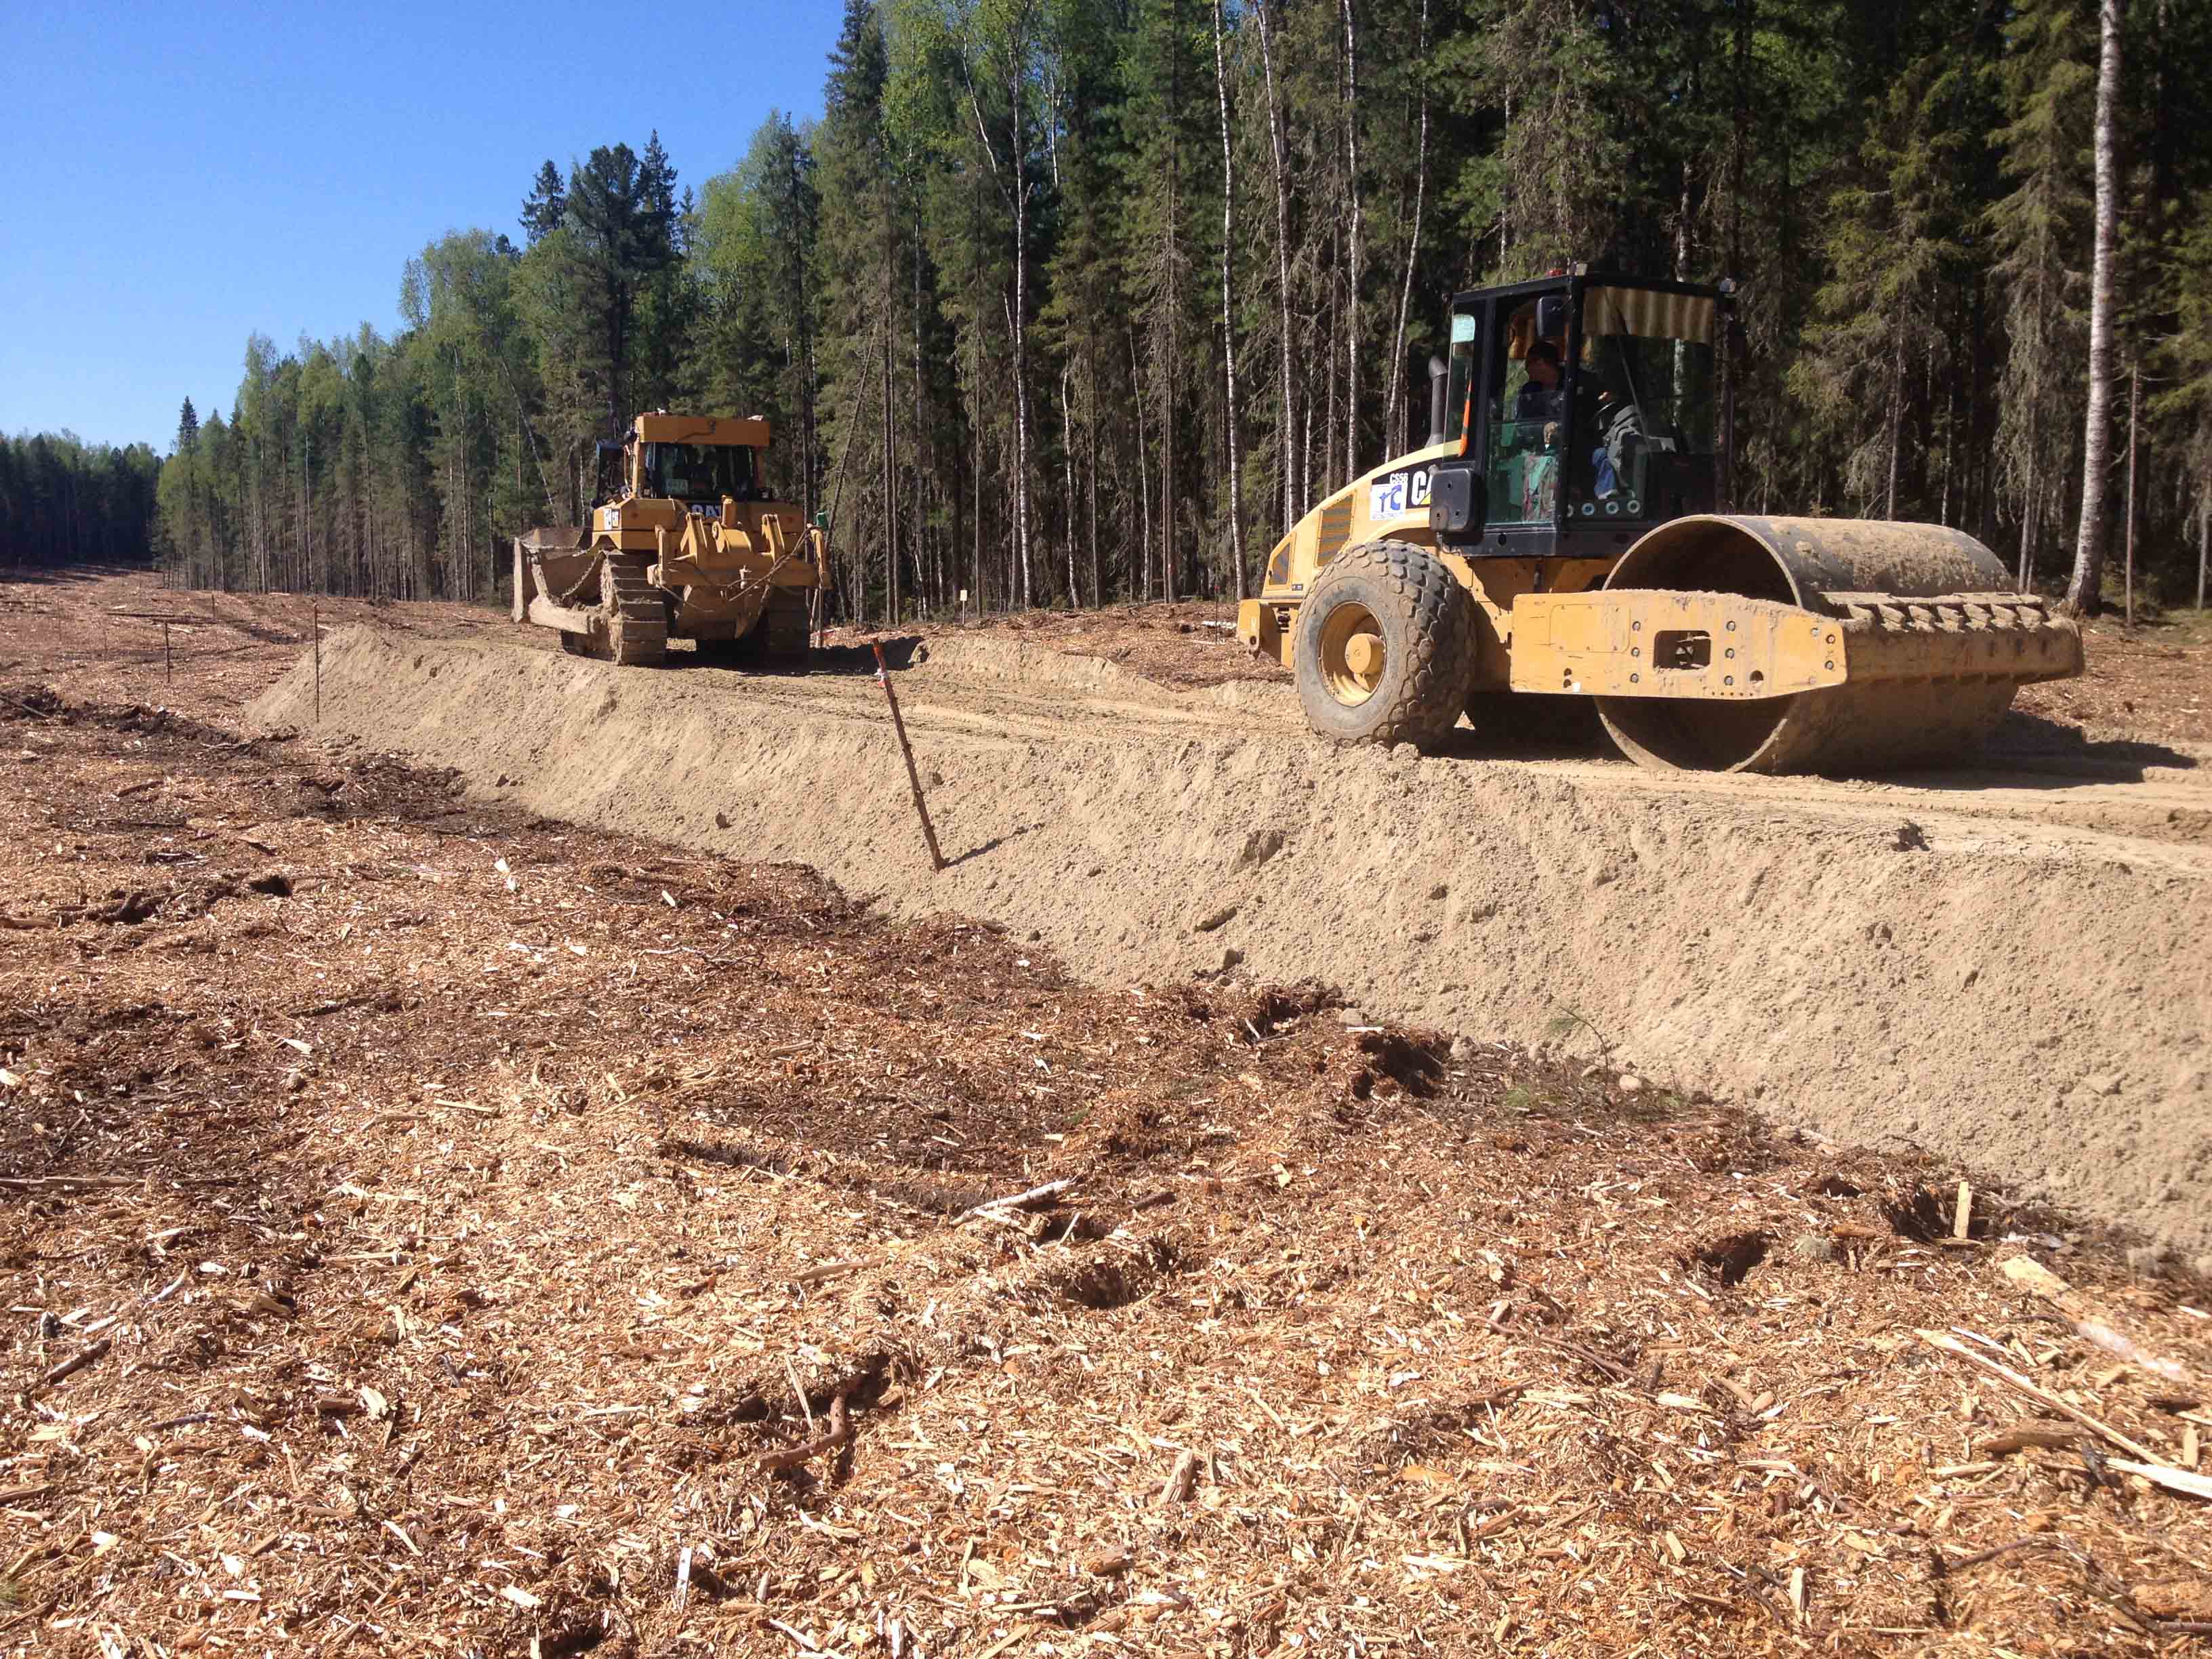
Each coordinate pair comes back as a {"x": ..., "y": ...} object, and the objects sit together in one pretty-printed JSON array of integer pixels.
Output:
[{"x": 1386, "y": 647}]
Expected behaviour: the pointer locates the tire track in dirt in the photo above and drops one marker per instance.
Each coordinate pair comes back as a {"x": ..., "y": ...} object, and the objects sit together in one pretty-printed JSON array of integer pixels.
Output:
[{"x": 2003, "y": 968}]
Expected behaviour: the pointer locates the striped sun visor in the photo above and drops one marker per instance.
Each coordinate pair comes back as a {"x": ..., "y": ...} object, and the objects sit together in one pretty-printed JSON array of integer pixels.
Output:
[{"x": 1649, "y": 314}]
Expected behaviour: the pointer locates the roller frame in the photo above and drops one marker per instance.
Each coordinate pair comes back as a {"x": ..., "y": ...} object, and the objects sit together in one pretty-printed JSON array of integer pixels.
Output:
[{"x": 1616, "y": 643}]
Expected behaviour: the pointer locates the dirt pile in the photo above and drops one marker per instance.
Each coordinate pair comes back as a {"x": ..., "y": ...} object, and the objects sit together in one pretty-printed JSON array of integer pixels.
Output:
[{"x": 1991, "y": 975}]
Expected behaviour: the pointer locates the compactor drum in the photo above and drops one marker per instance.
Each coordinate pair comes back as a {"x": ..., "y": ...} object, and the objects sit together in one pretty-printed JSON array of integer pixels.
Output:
[
  {"x": 683, "y": 541},
  {"x": 1557, "y": 538}
]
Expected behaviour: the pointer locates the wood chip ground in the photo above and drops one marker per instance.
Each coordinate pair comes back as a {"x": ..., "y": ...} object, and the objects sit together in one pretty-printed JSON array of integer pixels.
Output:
[{"x": 458, "y": 1226}]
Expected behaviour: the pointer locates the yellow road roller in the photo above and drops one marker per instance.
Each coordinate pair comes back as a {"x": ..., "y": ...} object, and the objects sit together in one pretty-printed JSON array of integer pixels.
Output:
[{"x": 1557, "y": 536}]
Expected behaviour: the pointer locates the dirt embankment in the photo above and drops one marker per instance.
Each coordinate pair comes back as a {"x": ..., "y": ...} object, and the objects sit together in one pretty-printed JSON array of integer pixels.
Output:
[{"x": 2009, "y": 972}]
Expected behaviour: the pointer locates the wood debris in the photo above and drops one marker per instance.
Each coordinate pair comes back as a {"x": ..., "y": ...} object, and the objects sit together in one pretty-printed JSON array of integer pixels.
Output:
[{"x": 477, "y": 1337}]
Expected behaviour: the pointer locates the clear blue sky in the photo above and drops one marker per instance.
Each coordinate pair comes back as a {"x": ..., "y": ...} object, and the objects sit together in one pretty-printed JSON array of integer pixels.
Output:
[{"x": 181, "y": 176}]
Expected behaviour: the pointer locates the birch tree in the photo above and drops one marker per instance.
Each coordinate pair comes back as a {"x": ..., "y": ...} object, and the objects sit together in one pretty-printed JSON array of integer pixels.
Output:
[{"x": 2082, "y": 589}]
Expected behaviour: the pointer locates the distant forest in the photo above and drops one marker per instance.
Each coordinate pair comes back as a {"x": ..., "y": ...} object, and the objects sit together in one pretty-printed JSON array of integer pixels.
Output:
[
  {"x": 65, "y": 502},
  {"x": 1067, "y": 301}
]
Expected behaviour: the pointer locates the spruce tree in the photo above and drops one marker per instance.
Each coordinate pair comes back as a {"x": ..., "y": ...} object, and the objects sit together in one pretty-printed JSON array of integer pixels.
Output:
[
  {"x": 548, "y": 200},
  {"x": 2041, "y": 232}
]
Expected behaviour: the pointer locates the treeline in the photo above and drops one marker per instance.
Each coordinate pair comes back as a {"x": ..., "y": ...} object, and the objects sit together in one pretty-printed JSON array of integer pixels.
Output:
[
  {"x": 1073, "y": 300},
  {"x": 66, "y": 501}
]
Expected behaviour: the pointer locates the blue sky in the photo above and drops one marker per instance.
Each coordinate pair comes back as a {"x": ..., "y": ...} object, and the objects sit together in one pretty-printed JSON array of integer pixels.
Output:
[{"x": 181, "y": 176}]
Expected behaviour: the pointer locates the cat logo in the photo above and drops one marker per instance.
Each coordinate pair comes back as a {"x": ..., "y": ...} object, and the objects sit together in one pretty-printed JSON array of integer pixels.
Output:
[{"x": 1399, "y": 493}]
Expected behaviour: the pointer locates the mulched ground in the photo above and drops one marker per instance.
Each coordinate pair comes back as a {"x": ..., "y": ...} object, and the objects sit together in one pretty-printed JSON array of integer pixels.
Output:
[
  {"x": 2151, "y": 684},
  {"x": 485, "y": 1236}
]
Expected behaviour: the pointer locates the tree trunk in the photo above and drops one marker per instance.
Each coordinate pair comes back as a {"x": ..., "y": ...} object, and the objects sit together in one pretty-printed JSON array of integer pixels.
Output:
[
  {"x": 1896, "y": 425},
  {"x": 1144, "y": 478},
  {"x": 1352, "y": 282},
  {"x": 1228, "y": 303},
  {"x": 889, "y": 470},
  {"x": 1286, "y": 424},
  {"x": 1171, "y": 364},
  {"x": 1021, "y": 463},
  {"x": 2082, "y": 589},
  {"x": 2135, "y": 406},
  {"x": 1067, "y": 462},
  {"x": 1019, "y": 174},
  {"x": 1397, "y": 399},
  {"x": 1091, "y": 455},
  {"x": 921, "y": 427},
  {"x": 976, "y": 339},
  {"x": 2204, "y": 550}
]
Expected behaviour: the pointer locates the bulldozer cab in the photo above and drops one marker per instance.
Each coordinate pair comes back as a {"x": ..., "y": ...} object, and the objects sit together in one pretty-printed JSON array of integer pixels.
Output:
[
  {"x": 697, "y": 460},
  {"x": 1589, "y": 405}
]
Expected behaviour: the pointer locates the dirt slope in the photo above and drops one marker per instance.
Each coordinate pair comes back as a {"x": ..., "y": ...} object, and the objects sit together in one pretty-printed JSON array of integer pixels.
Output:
[{"x": 2006, "y": 967}]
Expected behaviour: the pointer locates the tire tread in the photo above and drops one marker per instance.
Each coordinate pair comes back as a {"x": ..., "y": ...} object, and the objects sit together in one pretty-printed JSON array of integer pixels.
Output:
[{"x": 1425, "y": 701}]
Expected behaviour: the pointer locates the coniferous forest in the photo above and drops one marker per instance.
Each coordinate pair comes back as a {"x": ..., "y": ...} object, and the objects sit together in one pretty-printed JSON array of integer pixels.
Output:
[
  {"x": 1072, "y": 301},
  {"x": 65, "y": 502}
]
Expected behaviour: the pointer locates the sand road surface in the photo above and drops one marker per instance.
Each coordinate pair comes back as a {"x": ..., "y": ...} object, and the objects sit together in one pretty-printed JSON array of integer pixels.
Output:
[{"x": 2007, "y": 966}]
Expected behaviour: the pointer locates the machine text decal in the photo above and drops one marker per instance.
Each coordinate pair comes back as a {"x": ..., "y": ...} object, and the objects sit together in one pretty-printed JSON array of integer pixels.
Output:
[{"x": 1400, "y": 492}]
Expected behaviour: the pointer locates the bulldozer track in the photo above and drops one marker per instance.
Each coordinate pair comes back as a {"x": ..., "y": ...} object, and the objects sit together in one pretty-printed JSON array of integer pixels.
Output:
[
  {"x": 636, "y": 614},
  {"x": 629, "y": 624}
]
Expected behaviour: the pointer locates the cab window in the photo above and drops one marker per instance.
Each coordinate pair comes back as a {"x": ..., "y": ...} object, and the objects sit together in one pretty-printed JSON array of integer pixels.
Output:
[
  {"x": 1644, "y": 407},
  {"x": 699, "y": 472},
  {"x": 1527, "y": 398},
  {"x": 1466, "y": 363}
]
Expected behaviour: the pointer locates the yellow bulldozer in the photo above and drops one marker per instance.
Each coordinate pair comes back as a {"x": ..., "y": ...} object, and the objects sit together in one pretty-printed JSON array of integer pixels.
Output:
[
  {"x": 1557, "y": 538},
  {"x": 684, "y": 540}
]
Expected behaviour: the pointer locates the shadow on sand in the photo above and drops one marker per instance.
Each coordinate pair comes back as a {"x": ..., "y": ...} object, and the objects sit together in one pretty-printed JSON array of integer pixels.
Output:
[
  {"x": 841, "y": 661},
  {"x": 2027, "y": 752}
]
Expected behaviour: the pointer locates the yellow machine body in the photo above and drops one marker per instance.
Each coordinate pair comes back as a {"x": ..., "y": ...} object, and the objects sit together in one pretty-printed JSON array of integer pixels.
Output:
[
  {"x": 683, "y": 544},
  {"x": 1723, "y": 642},
  {"x": 1555, "y": 539}
]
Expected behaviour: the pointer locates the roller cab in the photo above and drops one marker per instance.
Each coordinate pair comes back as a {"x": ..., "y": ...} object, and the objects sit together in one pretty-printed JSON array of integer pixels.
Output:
[{"x": 1578, "y": 453}]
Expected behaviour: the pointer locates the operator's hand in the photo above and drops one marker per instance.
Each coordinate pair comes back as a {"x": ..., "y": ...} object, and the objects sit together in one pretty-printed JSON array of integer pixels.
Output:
[{"x": 1551, "y": 434}]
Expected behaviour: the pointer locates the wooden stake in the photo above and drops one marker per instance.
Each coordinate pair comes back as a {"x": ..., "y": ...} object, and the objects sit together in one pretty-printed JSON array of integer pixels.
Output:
[
  {"x": 913, "y": 777},
  {"x": 2134, "y": 399},
  {"x": 1962, "y": 1218},
  {"x": 315, "y": 625},
  {"x": 168, "y": 667}
]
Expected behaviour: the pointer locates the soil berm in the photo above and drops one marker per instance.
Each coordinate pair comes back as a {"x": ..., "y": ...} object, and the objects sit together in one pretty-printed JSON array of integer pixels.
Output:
[{"x": 2004, "y": 966}]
